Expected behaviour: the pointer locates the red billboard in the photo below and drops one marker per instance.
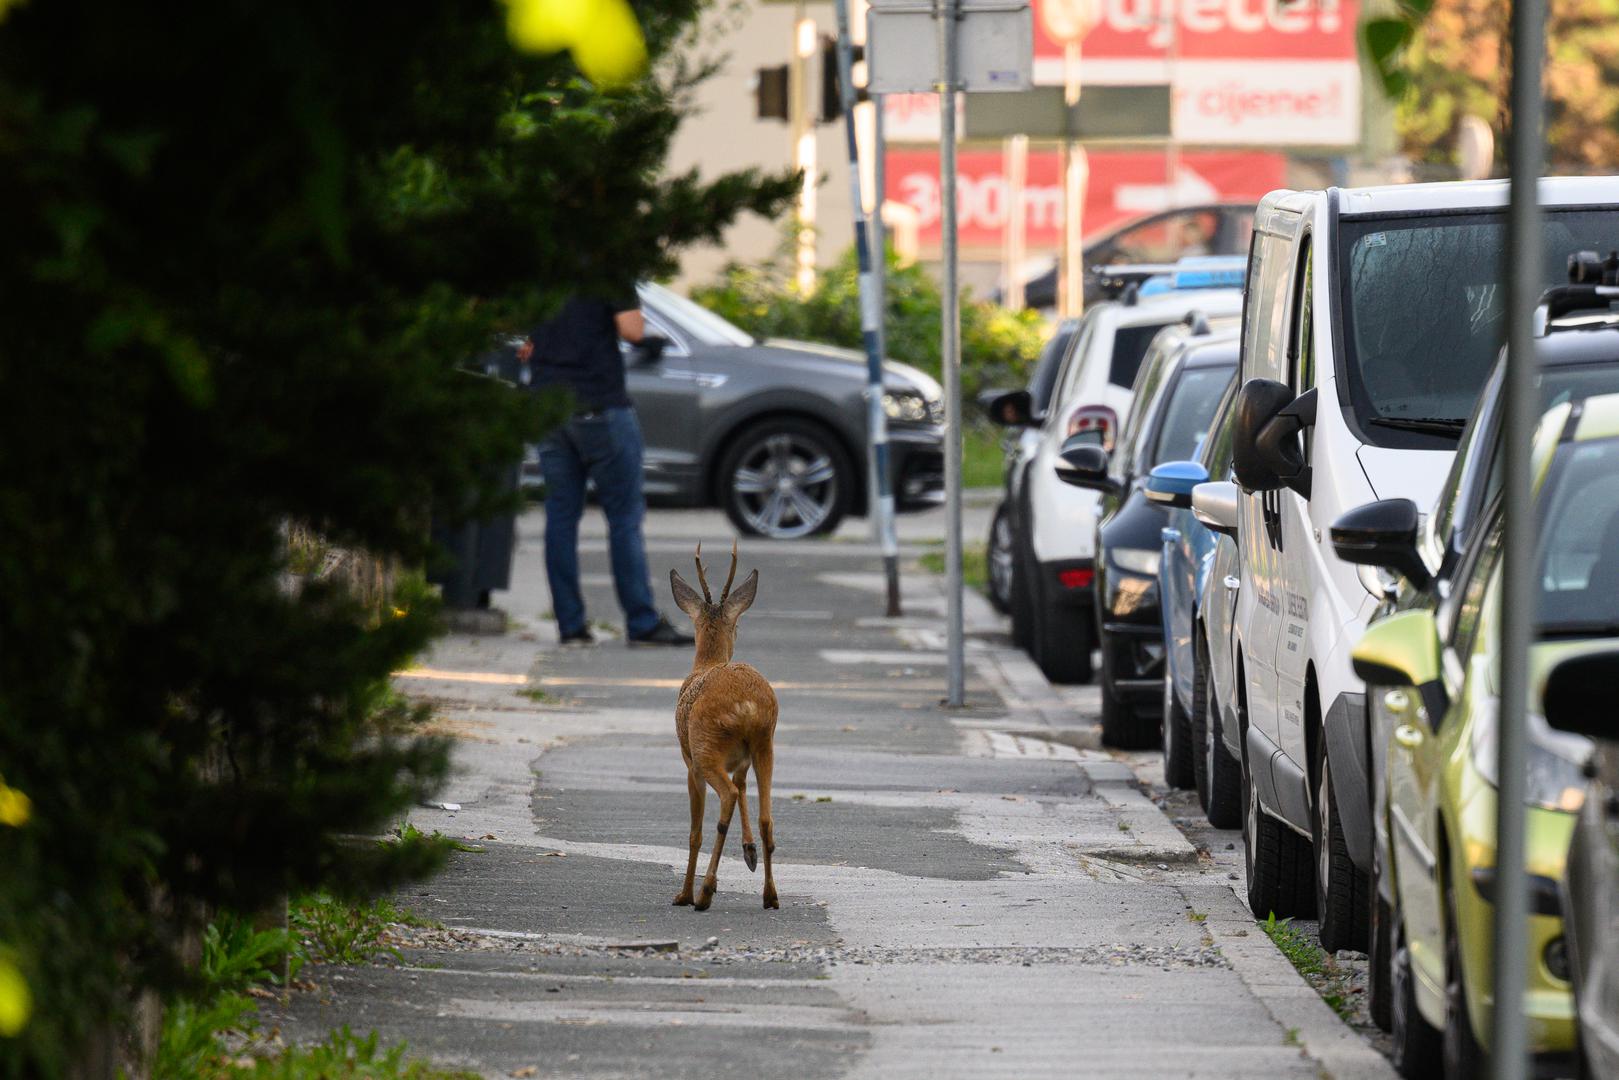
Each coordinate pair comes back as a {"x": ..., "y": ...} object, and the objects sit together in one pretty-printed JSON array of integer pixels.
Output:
[{"x": 1123, "y": 185}]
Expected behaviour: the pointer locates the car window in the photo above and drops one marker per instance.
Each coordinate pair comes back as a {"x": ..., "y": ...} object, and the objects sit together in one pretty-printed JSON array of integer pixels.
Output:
[
  {"x": 1046, "y": 369},
  {"x": 1073, "y": 361},
  {"x": 1266, "y": 306},
  {"x": 1133, "y": 430},
  {"x": 1579, "y": 559},
  {"x": 1167, "y": 238},
  {"x": 1239, "y": 231},
  {"x": 1475, "y": 582},
  {"x": 1129, "y": 347},
  {"x": 1301, "y": 348},
  {"x": 1187, "y": 414},
  {"x": 1216, "y": 451},
  {"x": 697, "y": 321}
]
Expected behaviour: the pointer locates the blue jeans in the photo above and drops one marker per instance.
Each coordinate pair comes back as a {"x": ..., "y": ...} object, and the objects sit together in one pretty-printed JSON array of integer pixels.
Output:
[{"x": 604, "y": 447}]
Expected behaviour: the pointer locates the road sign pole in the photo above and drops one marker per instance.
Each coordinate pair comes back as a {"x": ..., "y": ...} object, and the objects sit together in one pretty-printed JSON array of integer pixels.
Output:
[
  {"x": 881, "y": 498},
  {"x": 1509, "y": 1060},
  {"x": 945, "y": 13}
]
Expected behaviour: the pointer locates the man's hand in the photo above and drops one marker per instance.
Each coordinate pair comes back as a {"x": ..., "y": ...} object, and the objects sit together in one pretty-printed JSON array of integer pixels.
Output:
[{"x": 524, "y": 351}]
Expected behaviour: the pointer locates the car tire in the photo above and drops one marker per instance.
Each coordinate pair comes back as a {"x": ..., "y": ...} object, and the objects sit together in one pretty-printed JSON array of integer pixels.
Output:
[
  {"x": 1123, "y": 727},
  {"x": 1062, "y": 638},
  {"x": 1180, "y": 743},
  {"x": 1022, "y": 594},
  {"x": 1463, "y": 1057},
  {"x": 1380, "y": 961},
  {"x": 784, "y": 478},
  {"x": 1340, "y": 886},
  {"x": 1415, "y": 1044},
  {"x": 1219, "y": 775},
  {"x": 1001, "y": 558},
  {"x": 1280, "y": 869}
]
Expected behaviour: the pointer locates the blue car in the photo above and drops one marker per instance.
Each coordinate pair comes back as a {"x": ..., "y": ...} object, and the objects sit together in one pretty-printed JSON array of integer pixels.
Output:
[{"x": 1188, "y": 553}]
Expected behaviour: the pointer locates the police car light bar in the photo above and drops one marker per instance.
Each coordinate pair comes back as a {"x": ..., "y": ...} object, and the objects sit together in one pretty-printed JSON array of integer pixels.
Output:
[{"x": 1210, "y": 272}]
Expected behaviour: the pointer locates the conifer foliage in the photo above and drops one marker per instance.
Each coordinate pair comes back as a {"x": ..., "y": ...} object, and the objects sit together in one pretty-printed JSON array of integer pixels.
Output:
[{"x": 246, "y": 248}]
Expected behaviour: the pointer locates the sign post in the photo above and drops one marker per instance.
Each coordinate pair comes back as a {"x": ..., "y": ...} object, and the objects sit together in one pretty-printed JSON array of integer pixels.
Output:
[{"x": 999, "y": 55}]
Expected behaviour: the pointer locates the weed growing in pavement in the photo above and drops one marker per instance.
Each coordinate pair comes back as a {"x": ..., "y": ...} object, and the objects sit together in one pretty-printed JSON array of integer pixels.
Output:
[
  {"x": 823, "y": 798},
  {"x": 1311, "y": 961},
  {"x": 1290, "y": 1037},
  {"x": 1124, "y": 826},
  {"x": 335, "y": 931},
  {"x": 1197, "y": 916},
  {"x": 534, "y": 693},
  {"x": 236, "y": 956},
  {"x": 410, "y": 834}
]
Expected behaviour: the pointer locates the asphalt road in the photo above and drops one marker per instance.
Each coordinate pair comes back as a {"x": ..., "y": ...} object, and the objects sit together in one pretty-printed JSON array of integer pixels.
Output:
[{"x": 977, "y": 892}]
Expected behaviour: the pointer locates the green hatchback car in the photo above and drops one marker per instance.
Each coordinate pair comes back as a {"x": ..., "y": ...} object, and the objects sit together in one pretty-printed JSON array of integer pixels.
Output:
[{"x": 1439, "y": 674}]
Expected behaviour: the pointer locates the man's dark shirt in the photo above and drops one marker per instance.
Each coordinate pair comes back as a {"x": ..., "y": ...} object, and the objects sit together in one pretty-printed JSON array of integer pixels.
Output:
[{"x": 578, "y": 349}]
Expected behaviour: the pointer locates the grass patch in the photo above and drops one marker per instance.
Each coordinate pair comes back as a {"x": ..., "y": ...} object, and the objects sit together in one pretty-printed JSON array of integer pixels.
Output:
[
  {"x": 974, "y": 565},
  {"x": 336, "y": 931},
  {"x": 410, "y": 834},
  {"x": 1290, "y": 1037},
  {"x": 1197, "y": 916},
  {"x": 534, "y": 693},
  {"x": 983, "y": 463}
]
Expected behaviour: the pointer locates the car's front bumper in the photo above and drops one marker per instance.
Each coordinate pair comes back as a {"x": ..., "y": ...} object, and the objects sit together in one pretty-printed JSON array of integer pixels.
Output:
[
  {"x": 916, "y": 466},
  {"x": 1133, "y": 634}
]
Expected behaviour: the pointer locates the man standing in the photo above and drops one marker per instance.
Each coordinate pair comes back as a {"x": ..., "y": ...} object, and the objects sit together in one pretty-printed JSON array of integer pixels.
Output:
[{"x": 578, "y": 350}]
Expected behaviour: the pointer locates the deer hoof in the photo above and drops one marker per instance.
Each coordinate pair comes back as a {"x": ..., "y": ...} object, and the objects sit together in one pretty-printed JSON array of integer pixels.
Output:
[
  {"x": 683, "y": 899},
  {"x": 771, "y": 903},
  {"x": 704, "y": 898},
  {"x": 750, "y": 855}
]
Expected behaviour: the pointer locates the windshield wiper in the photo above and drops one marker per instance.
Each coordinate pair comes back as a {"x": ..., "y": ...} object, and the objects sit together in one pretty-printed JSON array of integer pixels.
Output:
[{"x": 1433, "y": 425}]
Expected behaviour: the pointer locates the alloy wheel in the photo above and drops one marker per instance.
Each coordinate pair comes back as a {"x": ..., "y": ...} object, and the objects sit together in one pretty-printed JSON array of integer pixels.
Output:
[{"x": 785, "y": 486}]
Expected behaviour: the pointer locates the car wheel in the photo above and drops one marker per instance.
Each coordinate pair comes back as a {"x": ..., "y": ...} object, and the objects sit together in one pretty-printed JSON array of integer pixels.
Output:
[
  {"x": 1415, "y": 1048},
  {"x": 1000, "y": 558},
  {"x": 1123, "y": 727},
  {"x": 1022, "y": 596},
  {"x": 1062, "y": 638},
  {"x": 1464, "y": 1058},
  {"x": 1179, "y": 741},
  {"x": 1340, "y": 886},
  {"x": 1280, "y": 872},
  {"x": 1219, "y": 774},
  {"x": 785, "y": 478},
  {"x": 1380, "y": 976}
]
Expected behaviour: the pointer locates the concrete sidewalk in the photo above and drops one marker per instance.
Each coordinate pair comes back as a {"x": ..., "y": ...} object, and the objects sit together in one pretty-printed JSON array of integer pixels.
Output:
[{"x": 976, "y": 892}]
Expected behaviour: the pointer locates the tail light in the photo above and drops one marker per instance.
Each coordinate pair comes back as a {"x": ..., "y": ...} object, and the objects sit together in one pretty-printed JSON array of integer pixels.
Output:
[
  {"x": 1097, "y": 419},
  {"x": 1076, "y": 578}
]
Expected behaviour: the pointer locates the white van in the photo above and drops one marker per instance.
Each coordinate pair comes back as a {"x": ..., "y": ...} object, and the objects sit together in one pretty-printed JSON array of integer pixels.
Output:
[{"x": 1371, "y": 319}]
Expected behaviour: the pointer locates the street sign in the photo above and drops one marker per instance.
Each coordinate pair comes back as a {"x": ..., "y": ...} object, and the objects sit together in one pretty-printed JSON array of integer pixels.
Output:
[
  {"x": 995, "y": 46},
  {"x": 1132, "y": 113}
]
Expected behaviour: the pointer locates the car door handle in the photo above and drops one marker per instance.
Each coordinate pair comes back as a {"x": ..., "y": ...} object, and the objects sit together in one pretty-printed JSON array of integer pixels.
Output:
[
  {"x": 1397, "y": 702},
  {"x": 1408, "y": 737},
  {"x": 1231, "y": 583},
  {"x": 1169, "y": 536}
]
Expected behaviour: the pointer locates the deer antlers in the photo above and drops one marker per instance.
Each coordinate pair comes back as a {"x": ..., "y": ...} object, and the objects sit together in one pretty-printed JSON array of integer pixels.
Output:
[{"x": 703, "y": 580}]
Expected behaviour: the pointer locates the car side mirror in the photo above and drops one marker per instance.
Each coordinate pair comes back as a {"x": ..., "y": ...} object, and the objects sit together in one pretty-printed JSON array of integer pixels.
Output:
[
  {"x": 1215, "y": 505},
  {"x": 1267, "y": 451},
  {"x": 1171, "y": 483},
  {"x": 649, "y": 350},
  {"x": 1403, "y": 650},
  {"x": 1083, "y": 464},
  {"x": 1009, "y": 408},
  {"x": 1382, "y": 534},
  {"x": 1578, "y": 697}
]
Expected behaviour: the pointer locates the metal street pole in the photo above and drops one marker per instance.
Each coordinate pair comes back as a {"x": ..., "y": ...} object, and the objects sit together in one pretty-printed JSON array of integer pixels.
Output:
[
  {"x": 945, "y": 15},
  {"x": 1508, "y": 1040},
  {"x": 881, "y": 499}
]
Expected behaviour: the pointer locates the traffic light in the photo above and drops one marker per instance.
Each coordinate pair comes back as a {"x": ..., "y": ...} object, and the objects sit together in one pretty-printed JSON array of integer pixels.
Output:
[
  {"x": 770, "y": 92},
  {"x": 831, "y": 95}
]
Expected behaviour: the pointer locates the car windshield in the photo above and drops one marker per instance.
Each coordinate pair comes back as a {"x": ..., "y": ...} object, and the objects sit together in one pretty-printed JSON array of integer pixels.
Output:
[
  {"x": 1579, "y": 559},
  {"x": 1422, "y": 299},
  {"x": 695, "y": 320},
  {"x": 1189, "y": 412}
]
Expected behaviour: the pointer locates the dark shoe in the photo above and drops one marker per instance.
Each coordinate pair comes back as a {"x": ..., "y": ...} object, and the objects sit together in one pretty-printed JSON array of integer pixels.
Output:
[
  {"x": 664, "y": 634},
  {"x": 582, "y": 637}
]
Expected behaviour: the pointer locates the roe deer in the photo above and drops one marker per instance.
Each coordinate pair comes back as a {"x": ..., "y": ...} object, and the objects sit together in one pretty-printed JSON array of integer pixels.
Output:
[{"x": 726, "y": 720}]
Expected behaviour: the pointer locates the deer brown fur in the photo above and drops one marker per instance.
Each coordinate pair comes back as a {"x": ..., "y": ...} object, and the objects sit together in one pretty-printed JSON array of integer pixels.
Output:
[{"x": 726, "y": 720}]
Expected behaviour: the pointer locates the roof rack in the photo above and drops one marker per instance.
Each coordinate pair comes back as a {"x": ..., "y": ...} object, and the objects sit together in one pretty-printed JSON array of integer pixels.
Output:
[
  {"x": 1197, "y": 323},
  {"x": 1593, "y": 288},
  {"x": 1116, "y": 281}
]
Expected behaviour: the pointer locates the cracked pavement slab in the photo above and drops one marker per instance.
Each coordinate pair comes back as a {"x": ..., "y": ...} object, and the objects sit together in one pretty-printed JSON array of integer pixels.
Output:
[{"x": 980, "y": 892}]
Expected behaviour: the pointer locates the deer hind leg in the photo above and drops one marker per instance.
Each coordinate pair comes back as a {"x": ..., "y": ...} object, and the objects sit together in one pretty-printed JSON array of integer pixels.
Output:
[
  {"x": 750, "y": 852},
  {"x": 694, "y": 788},
  {"x": 721, "y": 783},
  {"x": 763, "y": 764}
]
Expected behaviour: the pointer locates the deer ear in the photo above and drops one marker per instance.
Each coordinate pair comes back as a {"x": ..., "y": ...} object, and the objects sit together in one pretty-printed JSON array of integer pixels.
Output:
[
  {"x": 686, "y": 598},
  {"x": 741, "y": 598}
]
